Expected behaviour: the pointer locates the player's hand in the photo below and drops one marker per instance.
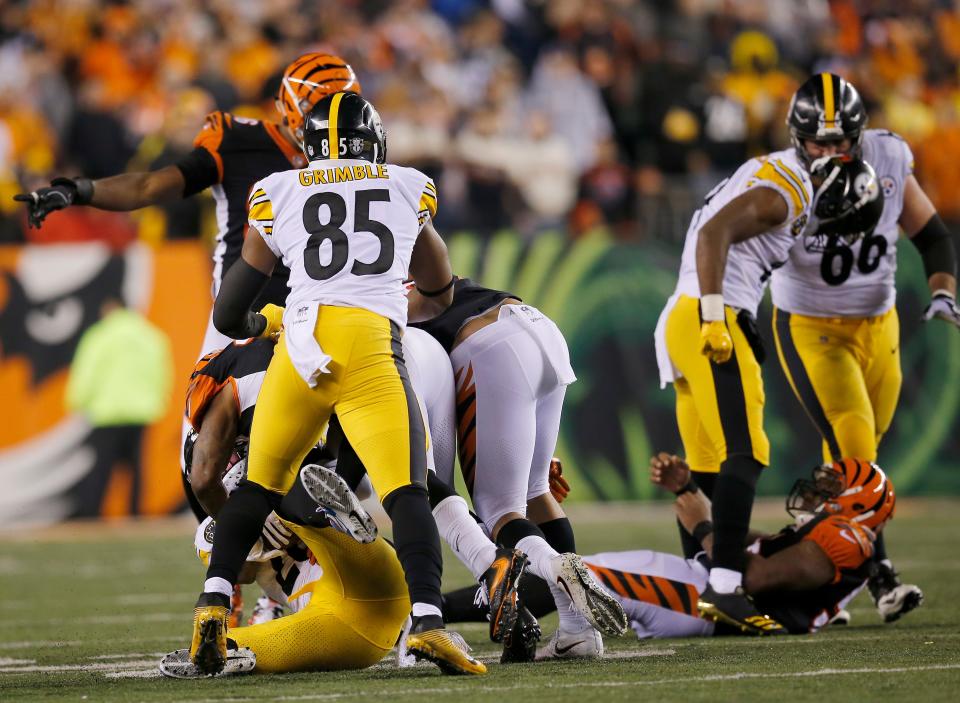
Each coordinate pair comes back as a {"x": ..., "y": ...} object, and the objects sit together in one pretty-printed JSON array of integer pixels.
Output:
[
  {"x": 559, "y": 487},
  {"x": 61, "y": 193},
  {"x": 275, "y": 535},
  {"x": 943, "y": 306},
  {"x": 669, "y": 471},
  {"x": 715, "y": 341},
  {"x": 274, "y": 316}
]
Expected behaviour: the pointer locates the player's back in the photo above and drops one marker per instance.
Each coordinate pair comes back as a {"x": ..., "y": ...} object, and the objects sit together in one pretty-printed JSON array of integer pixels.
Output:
[{"x": 346, "y": 229}]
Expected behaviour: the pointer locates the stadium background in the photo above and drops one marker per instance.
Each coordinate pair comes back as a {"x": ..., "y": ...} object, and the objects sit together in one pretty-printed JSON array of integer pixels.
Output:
[{"x": 570, "y": 142}]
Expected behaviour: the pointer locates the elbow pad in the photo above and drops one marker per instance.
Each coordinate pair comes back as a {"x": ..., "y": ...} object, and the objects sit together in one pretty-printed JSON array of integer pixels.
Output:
[
  {"x": 936, "y": 247},
  {"x": 231, "y": 311}
]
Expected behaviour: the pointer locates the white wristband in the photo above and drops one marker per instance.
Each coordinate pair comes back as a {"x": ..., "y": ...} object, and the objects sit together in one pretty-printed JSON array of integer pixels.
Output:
[{"x": 711, "y": 307}]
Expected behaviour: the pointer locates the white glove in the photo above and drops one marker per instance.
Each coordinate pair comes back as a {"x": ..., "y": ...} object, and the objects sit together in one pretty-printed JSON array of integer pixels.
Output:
[
  {"x": 275, "y": 535},
  {"x": 944, "y": 306}
]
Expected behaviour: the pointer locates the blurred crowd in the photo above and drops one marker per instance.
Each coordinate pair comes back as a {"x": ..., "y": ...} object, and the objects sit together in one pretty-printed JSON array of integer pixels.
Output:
[{"x": 529, "y": 114}]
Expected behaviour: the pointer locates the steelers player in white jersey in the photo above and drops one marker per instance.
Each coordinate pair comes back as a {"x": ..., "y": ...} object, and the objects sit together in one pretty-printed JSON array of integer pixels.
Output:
[
  {"x": 708, "y": 346},
  {"x": 351, "y": 228},
  {"x": 835, "y": 320}
]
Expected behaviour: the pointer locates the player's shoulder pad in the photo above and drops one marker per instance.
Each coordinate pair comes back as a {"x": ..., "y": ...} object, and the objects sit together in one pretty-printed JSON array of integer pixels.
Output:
[
  {"x": 215, "y": 126},
  {"x": 887, "y": 144},
  {"x": 783, "y": 172},
  {"x": 847, "y": 544}
]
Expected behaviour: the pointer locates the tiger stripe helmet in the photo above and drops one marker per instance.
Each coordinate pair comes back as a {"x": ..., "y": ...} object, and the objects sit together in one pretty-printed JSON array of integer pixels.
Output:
[
  {"x": 306, "y": 81},
  {"x": 856, "y": 489}
]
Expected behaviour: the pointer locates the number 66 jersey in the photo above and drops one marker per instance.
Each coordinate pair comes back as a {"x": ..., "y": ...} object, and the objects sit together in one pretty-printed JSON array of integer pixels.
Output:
[
  {"x": 346, "y": 232},
  {"x": 825, "y": 277}
]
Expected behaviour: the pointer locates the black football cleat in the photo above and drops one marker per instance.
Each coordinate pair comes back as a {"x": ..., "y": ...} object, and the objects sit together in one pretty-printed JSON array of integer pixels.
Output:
[
  {"x": 500, "y": 582},
  {"x": 738, "y": 611},
  {"x": 520, "y": 643}
]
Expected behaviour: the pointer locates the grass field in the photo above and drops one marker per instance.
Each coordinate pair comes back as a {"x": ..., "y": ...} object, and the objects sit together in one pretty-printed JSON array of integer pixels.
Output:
[{"x": 87, "y": 610}]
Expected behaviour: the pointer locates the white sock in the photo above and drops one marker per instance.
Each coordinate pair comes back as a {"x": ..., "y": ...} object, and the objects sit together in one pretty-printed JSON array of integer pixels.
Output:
[
  {"x": 465, "y": 537},
  {"x": 218, "y": 585},
  {"x": 725, "y": 580},
  {"x": 541, "y": 556},
  {"x": 421, "y": 609}
]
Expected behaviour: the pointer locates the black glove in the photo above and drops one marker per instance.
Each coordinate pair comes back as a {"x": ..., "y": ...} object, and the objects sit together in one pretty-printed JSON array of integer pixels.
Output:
[{"x": 61, "y": 193}]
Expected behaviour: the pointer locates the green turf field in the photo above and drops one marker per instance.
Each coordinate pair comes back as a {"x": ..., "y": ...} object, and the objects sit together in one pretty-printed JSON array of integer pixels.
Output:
[{"x": 86, "y": 611}]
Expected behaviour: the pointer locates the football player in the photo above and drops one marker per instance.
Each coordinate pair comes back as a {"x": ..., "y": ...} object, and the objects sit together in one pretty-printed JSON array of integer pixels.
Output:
[
  {"x": 350, "y": 228},
  {"x": 707, "y": 342},
  {"x": 512, "y": 368},
  {"x": 801, "y": 576},
  {"x": 835, "y": 320}
]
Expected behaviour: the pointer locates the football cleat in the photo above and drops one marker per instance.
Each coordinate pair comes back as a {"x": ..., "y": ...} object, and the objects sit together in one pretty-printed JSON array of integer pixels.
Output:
[
  {"x": 429, "y": 640},
  {"x": 737, "y": 610},
  {"x": 500, "y": 582},
  {"x": 265, "y": 610},
  {"x": 520, "y": 642},
  {"x": 236, "y": 608},
  {"x": 208, "y": 648},
  {"x": 586, "y": 644},
  {"x": 338, "y": 503},
  {"x": 841, "y": 617},
  {"x": 590, "y": 599},
  {"x": 892, "y": 598},
  {"x": 177, "y": 664}
]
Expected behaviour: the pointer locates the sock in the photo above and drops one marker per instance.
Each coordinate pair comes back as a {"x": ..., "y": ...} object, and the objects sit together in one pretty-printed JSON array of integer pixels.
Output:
[
  {"x": 880, "y": 550},
  {"x": 417, "y": 542},
  {"x": 465, "y": 537},
  {"x": 732, "y": 504},
  {"x": 239, "y": 524},
  {"x": 218, "y": 585},
  {"x": 541, "y": 557},
  {"x": 421, "y": 609},
  {"x": 559, "y": 534},
  {"x": 725, "y": 580},
  {"x": 535, "y": 595}
]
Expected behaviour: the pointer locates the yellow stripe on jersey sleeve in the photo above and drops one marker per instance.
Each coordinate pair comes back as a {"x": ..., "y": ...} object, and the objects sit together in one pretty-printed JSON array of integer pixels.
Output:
[
  {"x": 428, "y": 200},
  {"x": 787, "y": 181},
  {"x": 262, "y": 211}
]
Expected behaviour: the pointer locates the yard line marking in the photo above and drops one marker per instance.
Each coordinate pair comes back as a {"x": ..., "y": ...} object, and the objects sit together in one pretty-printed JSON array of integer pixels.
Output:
[
  {"x": 7, "y": 661},
  {"x": 600, "y": 684},
  {"x": 105, "y": 667},
  {"x": 145, "y": 674},
  {"x": 130, "y": 655},
  {"x": 153, "y": 598},
  {"x": 98, "y": 620},
  {"x": 39, "y": 644}
]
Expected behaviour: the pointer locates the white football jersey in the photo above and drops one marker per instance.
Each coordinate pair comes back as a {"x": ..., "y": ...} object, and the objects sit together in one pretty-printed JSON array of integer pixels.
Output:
[
  {"x": 750, "y": 263},
  {"x": 345, "y": 228},
  {"x": 856, "y": 280}
]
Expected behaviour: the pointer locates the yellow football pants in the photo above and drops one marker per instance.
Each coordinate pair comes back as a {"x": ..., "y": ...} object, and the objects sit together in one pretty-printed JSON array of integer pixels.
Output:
[
  {"x": 719, "y": 406},
  {"x": 367, "y": 387},
  {"x": 354, "y": 616},
  {"x": 846, "y": 374}
]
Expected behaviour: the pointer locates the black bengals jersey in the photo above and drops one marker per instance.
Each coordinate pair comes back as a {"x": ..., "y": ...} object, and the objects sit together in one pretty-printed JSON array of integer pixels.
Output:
[
  {"x": 849, "y": 547},
  {"x": 230, "y": 154},
  {"x": 469, "y": 300}
]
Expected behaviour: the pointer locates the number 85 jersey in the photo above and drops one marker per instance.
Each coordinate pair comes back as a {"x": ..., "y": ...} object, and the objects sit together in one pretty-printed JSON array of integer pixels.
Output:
[
  {"x": 828, "y": 278},
  {"x": 345, "y": 228}
]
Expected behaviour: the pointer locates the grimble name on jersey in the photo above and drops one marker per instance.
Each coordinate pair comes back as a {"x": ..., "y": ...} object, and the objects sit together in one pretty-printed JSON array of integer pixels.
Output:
[{"x": 342, "y": 174}]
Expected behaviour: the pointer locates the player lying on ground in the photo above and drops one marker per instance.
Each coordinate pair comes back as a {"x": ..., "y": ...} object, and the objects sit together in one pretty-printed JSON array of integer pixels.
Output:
[
  {"x": 802, "y": 576},
  {"x": 349, "y": 602},
  {"x": 220, "y": 406}
]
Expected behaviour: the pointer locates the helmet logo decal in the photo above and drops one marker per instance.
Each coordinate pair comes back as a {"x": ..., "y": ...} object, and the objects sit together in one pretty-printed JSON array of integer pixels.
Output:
[{"x": 355, "y": 144}]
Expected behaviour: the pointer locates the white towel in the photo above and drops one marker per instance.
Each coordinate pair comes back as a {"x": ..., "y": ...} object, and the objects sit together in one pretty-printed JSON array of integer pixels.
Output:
[
  {"x": 668, "y": 372},
  {"x": 548, "y": 337},
  {"x": 305, "y": 353}
]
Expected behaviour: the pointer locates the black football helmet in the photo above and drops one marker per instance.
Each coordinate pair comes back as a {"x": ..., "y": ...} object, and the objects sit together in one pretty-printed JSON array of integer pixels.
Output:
[
  {"x": 826, "y": 107},
  {"x": 344, "y": 126},
  {"x": 849, "y": 201}
]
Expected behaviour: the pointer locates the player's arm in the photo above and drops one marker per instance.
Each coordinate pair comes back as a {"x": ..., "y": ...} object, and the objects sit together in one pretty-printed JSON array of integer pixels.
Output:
[
  {"x": 933, "y": 240},
  {"x": 432, "y": 275},
  {"x": 243, "y": 283},
  {"x": 212, "y": 450},
  {"x": 800, "y": 567},
  {"x": 754, "y": 212}
]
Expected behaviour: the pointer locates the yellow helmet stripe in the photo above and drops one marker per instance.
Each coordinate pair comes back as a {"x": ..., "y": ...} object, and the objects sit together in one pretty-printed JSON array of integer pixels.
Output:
[
  {"x": 829, "y": 110},
  {"x": 332, "y": 129}
]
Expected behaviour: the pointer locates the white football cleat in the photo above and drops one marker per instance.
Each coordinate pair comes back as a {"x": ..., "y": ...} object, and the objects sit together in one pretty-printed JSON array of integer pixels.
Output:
[
  {"x": 899, "y": 601},
  {"x": 177, "y": 664},
  {"x": 586, "y": 644},
  {"x": 265, "y": 610},
  {"x": 841, "y": 618},
  {"x": 338, "y": 503},
  {"x": 589, "y": 597}
]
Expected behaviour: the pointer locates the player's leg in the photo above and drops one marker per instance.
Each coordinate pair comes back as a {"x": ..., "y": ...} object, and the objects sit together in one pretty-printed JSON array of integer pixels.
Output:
[
  {"x": 729, "y": 400},
  {"x": 380, "y": 416},
  {"x": 287, "y": 423},
  {"x": 821, "y": 360}
]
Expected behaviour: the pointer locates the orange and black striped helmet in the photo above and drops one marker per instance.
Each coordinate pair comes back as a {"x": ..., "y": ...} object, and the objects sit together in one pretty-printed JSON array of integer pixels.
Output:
[
  {"x": 308, "y": 80},
  {"x": 856, "y": 489}
]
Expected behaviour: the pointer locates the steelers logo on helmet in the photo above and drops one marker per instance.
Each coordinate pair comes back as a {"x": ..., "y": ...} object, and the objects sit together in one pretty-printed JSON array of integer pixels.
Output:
[
  {"x": 826, "y": 108},
  {"x": 849, "y": 200},
  {"x": 344, "y": 125}
]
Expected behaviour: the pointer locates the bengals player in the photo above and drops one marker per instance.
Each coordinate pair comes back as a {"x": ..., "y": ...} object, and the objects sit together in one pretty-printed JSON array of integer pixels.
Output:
[{"x": 230, "y": 154}]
